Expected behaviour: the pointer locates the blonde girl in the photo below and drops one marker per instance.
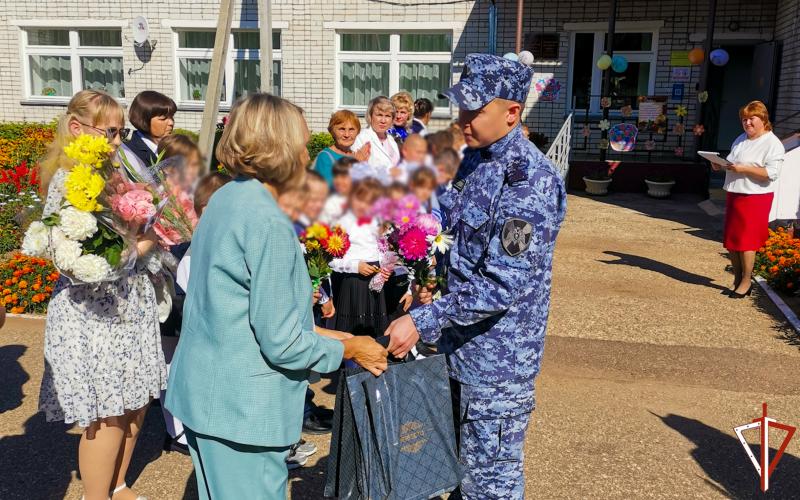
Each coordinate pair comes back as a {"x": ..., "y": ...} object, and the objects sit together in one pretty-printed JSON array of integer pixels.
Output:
[{"x": 103, "y": 358}]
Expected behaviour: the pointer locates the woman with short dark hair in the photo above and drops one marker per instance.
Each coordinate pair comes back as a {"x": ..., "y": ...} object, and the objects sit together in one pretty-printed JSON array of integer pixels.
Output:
[
  {"x": 423, "y": 110},
  {"x": 152, "y": 114}
]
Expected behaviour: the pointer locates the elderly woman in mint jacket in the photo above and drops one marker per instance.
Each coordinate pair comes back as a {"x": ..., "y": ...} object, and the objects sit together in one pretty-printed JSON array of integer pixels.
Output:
[{"x": 239, "y": 376}]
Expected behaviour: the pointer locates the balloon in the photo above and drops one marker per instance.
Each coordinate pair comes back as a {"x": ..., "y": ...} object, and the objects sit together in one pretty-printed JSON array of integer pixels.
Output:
[
  {"x": 526, "y": 58},
  {"x": 719, "y": 57},
  {"x": 619, "y": 64},
  {"x": 696, "y": 55},
  {"x": 604, "y": 62},
  {"x": 511, "y": 56}
]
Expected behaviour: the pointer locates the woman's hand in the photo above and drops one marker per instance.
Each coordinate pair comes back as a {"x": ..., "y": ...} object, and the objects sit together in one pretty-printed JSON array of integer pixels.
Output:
[
  {"x": 367, "y": 353},
  {"x": 332, "y": 334},
  {"x": 365, "y": 269},
  {"x": 146, "y": 242},
  {"x": 386, "y": 273},
  {"x": 716, "y": 167},
  {"x": 363, "y": 153},
  {"x": 328, "y": 310},
  {"x": 406, "y": 301}
]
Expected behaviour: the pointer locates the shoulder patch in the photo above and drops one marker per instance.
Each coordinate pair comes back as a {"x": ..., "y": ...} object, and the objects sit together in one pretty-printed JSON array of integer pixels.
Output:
[
  {"x": 516, "y": 236},
  {"x": 517, "y": 171}
]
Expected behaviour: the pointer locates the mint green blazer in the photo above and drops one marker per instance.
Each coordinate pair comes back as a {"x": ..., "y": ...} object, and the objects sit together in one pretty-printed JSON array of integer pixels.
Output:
[{"x": 247, "y": 342}]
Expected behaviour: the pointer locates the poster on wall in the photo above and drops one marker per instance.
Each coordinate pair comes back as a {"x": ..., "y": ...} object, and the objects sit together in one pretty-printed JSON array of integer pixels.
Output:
[
  {"x": 651, "y": 108},
  {"x": 679, "y": 58},
  {"x": 680, "y": 74},
  {"x": 548, "y": 89}
]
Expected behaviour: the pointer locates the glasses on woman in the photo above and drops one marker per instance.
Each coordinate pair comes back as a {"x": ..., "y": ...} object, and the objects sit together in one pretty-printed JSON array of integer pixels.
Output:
[{"x": 110, "y": 132}]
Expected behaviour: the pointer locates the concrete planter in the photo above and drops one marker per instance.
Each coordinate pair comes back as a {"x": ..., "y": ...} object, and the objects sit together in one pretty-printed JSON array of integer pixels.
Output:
[
  {"x": 596, "y": 187},
  {"x": 659, "y": 189}
]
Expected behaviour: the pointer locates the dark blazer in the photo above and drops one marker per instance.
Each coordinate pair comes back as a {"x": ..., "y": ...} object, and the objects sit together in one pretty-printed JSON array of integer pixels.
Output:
[{"x": 137, "y": 145}]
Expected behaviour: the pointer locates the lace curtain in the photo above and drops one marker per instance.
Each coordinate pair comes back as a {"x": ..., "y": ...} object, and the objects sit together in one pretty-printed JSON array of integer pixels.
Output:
[
  {"x": 361, "y": 81},
  {"x": 425, "y": 80},
  {"x": 51, "y": 76}
]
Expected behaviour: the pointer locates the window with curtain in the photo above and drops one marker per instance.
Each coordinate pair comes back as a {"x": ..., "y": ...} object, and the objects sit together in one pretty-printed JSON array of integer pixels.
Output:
[
  {"x": 62, "y": 61},
  {"x": 640, "y": 50},
  {"x": 374, "y": 64},
  {"x": 243, "y": 68}
]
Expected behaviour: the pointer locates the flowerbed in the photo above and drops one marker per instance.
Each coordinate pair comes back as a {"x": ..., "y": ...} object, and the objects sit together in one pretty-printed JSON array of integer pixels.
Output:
[
  {"x": 778, "y": 261},
  {"x": 23, "y": 142},
  {"x": 26, "y": 284}
]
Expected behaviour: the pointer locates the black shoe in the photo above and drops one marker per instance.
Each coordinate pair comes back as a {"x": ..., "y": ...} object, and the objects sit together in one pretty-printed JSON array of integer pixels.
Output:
[
  {"x": 323, "y": 414},
  {"x": 173, "y": 445},
  {"x": 734, "y": 295},
  {"x": 314, "y": 425}
]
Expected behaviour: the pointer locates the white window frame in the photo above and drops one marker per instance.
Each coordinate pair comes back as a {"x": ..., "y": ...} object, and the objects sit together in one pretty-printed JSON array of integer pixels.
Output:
[
  {"x": 74, "y": 51},
  {"x": 233, "y": 55},
  {"x": 395, "y": 58},
  {"x": 650, "y": 56}
]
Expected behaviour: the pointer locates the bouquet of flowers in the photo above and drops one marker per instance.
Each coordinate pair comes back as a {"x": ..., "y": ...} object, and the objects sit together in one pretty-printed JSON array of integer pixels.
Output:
[
  {"x": 322, "y": 244},
  {"x": 411, "y": 241},
  {"x": 91, "y": 238},
  {"x": 169, "y": 192}
]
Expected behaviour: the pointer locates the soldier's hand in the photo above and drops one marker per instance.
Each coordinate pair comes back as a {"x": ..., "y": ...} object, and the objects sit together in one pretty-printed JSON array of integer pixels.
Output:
[
  {"x": 425, "y": 293},
  {"x": 403, "y": 335}
]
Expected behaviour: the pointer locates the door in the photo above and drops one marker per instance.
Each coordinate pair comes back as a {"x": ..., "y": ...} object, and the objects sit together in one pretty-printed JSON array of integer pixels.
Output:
[{"x": 764, "y": 73}]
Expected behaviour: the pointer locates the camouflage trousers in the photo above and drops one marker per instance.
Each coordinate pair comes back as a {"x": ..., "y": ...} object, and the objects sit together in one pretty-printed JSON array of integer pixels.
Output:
[{"x": 491, "y": 425}]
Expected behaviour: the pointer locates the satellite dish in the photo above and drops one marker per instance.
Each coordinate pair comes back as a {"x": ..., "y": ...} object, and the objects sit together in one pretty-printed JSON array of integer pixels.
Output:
[{"x": 140, "y": 30}]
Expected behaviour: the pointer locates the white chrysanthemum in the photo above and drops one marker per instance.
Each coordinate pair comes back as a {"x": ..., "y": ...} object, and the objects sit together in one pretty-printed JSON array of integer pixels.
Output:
[
  {"x": 441, "y": 242},
  {"x": 77, "y": 225},
  {"x": 91, "y": 269},
  {"x": 36, "y": 240},
  {"x": 66, "y": 254}
]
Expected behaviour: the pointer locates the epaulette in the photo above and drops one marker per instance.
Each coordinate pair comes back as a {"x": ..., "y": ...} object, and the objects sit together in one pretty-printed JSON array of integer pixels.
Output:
[{"x": 517, "y": 171}]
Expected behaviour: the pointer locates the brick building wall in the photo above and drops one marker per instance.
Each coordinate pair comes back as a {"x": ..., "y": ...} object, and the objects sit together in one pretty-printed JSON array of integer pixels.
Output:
[{"x": 787, "y": 31}]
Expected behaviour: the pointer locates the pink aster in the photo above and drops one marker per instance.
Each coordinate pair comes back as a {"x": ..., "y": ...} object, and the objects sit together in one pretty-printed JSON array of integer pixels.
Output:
[
  {"x": 429, "y": 224},
  {"x": 413, "y": 244}
]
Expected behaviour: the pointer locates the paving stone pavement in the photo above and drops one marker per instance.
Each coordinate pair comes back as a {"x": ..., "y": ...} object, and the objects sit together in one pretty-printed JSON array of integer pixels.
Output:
[{"x": 647, "y": 370}]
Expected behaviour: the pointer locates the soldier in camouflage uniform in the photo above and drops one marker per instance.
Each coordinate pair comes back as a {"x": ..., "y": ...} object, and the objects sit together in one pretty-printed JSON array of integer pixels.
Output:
[{"x": 504, "y": 209}]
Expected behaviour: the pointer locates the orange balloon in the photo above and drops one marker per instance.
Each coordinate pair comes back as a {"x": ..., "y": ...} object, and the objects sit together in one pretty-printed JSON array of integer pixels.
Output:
[{"x": 696, "y": 55}]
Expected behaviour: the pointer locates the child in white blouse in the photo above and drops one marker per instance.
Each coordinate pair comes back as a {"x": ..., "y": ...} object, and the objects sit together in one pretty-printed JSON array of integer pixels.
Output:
[{"x": 360, "y": 311}]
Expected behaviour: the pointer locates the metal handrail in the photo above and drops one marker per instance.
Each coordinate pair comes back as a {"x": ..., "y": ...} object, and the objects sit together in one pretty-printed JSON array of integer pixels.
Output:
[{"x": 560, "y": 148}]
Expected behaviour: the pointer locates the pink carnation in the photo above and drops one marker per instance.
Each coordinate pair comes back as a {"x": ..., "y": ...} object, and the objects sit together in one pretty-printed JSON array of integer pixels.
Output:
[
  {"x": 413, "y": 244},
  {"x": 429, "y": 224},
  {"x": 134, "y": 206}
]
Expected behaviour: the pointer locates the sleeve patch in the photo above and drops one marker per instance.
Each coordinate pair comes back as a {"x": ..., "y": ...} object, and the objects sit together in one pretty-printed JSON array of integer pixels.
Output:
[{"x": 516, "y": 236}]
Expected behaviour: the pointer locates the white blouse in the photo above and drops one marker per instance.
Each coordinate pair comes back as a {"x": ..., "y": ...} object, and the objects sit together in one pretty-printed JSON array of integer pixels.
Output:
[
  {"x": 383, "y": 154},
  {"x": 766, "y": 151},
  {"x": 363, "y": 244}
]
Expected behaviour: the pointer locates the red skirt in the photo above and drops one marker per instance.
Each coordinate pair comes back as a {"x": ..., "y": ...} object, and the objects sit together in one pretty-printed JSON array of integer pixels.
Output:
[{"x": 746, "y": 221}]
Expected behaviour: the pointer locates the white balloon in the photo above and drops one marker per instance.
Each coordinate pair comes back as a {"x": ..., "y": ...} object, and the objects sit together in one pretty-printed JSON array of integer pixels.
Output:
[{"x": 526, "y": 58}]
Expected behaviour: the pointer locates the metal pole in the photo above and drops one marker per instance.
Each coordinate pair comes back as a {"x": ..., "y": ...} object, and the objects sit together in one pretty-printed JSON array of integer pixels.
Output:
[
  {"x": 520, "y": 8},
  {"x": 708, "y": 44},
  {"x": 215, "y": 77},
  {"x": 265, "y": 45},
  {"x": 606, "y": 88}
]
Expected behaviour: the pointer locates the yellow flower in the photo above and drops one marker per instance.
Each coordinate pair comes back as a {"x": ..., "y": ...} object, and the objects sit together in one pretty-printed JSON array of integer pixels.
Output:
[
  {"x": 83, "y": 187},
  {"x": 91, "y": 150},
  {"x": 317, "y": 232},
  {"x": 312, "y": 245}
]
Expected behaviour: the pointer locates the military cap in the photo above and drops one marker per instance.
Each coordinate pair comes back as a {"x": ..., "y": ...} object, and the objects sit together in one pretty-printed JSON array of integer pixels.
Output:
[{"x": 486, "y": 77}]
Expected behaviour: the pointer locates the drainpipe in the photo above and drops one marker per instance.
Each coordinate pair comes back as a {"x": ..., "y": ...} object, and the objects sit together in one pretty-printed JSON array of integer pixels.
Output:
[
  {"x": 520, "y": 8},
  {"x": 701, "y": 87},
  {"x": 493, "y": 28},
  {"x": 612, "y": 27}
]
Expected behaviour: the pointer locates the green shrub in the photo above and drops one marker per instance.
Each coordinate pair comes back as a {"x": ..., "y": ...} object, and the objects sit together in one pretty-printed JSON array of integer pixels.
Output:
[
  {"x": 190, "y": 134},
  {"x": 318, "y": 142}
]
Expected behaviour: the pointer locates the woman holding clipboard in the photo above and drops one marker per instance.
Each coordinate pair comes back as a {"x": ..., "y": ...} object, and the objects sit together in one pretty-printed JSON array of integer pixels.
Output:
[{"x": 755, "y": 160}]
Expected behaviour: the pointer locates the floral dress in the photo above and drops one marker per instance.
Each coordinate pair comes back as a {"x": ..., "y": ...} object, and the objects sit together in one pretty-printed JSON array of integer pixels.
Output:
[{"x": 102, "y": 347}]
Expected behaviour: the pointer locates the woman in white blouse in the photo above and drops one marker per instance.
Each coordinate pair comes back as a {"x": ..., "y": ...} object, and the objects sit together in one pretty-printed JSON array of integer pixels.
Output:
[
  {"x": 756, "y": 157},
  {"x": 384, "y": 153}
]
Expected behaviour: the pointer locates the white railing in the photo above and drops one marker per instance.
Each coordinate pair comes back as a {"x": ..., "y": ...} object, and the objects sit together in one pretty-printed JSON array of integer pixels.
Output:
[{"x": 560, "y": 149}]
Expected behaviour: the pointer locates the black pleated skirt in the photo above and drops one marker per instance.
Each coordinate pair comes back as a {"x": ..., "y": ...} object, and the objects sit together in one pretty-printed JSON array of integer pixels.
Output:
[{"x": 359, "y": 310}]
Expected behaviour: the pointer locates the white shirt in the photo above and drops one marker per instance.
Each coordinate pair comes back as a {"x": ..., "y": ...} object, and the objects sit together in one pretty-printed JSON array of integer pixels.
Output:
[
  {"x": 182, "y": 274},
  {"x": 383, "y": 154},
  {"x": 363, "y": 244},
  {"x": 765, "y": 151},
  {"x": 333, "y": 209}
]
